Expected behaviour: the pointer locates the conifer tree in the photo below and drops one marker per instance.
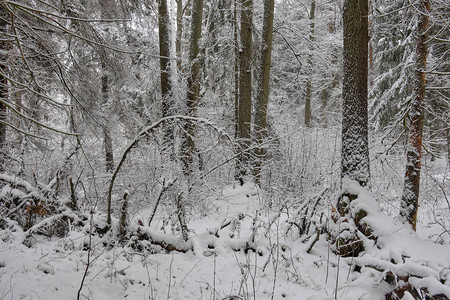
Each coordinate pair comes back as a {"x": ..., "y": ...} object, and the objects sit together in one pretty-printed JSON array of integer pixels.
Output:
[{"x": 355, "y": 148}]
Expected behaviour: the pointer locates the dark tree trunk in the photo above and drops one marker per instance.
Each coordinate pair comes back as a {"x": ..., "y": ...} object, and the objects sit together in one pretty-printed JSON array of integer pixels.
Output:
[
  {"x": 193, "y": 84},
  {"x": 262, "y": 97},
  {"x": 410, "y": 198},
  {"x": 179, "y": 33},
  {"x": 236, "y": 69},
  {"x": 107, "y": 139},
  {"x": 245, "y": 89},
  {"x": 167, "y": 101},
  {"x": 355, "y": 148},
  {"x": 164, "y": 52}
]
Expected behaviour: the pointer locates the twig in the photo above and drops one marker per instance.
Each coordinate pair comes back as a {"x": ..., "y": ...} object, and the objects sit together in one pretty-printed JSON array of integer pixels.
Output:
[
  {"x": 89, "y": 254},
  {"x": 314, "y": 242},
  {"x": 170, "y": 277},
  {"x": 275, "y": 269},
  {"x": 214, "y": 278},
  {"x": 164, "y": 188},
  {"x": 188, "y": 273}
]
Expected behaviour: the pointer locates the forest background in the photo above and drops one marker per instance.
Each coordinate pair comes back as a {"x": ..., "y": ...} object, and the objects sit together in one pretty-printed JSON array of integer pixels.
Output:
[{"x": 117, "y": 115}]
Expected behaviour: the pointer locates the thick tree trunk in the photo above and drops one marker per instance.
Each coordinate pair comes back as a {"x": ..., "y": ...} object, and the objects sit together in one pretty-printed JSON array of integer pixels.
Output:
[
  {"x": 410, "y": 198},
  {"x": 310, "y": 67},
  {"x": 245, "y": 89},
  {"x": 193, "y": 84},
  {"x": 355, "y": 148},
  {"x": 262, "y": 97}
]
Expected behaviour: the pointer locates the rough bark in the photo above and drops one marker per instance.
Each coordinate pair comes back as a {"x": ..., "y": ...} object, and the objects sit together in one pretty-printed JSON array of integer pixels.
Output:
[
  {"x": 355, "y": 148},
  {"x": 262, "y": 97},
  {"x": 410, "y": 197},
  {"x": 310, "y": 66},
  {"x": 193, "y": 84},
  {"x": 245, "y": 89}
]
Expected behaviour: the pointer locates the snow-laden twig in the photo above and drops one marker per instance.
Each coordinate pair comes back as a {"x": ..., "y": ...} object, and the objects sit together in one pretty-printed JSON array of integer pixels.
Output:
[
  {"x": 91, "y": 225},
  {"x": 145, "y": 132},
  {"x": 51, "y": 220}
]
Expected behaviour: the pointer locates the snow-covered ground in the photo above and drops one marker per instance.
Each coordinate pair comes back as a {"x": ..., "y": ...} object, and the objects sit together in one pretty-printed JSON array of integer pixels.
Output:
[{"x": 219, "y": 267}]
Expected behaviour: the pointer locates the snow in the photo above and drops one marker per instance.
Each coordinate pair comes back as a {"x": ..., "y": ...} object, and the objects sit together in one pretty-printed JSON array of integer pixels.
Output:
[{"x": 217, "y": 263}]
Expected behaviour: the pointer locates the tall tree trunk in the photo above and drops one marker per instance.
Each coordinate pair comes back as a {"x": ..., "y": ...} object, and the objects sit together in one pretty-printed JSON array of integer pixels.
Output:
[
  {"x": 262, "y": 97},
  {"x": 167, "y": 101},
  {"x": 106, "y": 98},
  {"x": 245, "y": 89},
  {"x": 410, "y": 198},
  {"x": 212, "y": 23},
  {"x": 164, "y": 52},
  {"x": 236, "y": 68},
  {"x": 193, "y": 83},
  {"x": 328, "y": 89},
  {"x": 355, "y": 148},
  {"x": 3, "y": 87},
  {"x": 310, "y": 67},
  {"x": 179, "y": 33},
  {"x": 106, "y": 128},
  {"x": 447, "y": 131}
]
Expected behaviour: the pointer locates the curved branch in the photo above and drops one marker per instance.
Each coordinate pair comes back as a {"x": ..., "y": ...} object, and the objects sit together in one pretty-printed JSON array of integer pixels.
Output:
[{"x": 145, "y": 132}]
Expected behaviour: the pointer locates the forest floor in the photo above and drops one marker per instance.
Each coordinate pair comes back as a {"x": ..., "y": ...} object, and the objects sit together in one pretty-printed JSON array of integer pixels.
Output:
[{"x": 222, "y": 265}]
